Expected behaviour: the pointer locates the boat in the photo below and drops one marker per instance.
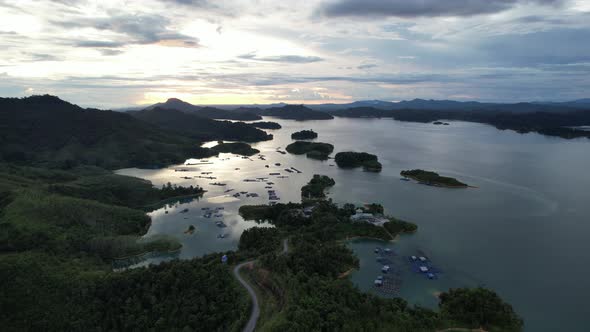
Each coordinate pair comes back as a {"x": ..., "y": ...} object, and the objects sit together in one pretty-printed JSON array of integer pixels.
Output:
[
  {"x": 184, "y": 211},
  {"x": 377, "y": 250},
  {"x": 277, "y": 164},
  {"x": 431, "y": 275},
  {"x": 422, "y": 259},
  {"x": 385, "y": 268},
  {"x": 274, "y": 173},
  {"x": 218, "y": 184},
  {"x": 378, "y": 282},
  {"x": 205, "y": 208},
  {"x": 282, "y": 177},
  {"x": 221, "y": 236},
  {"x": 423, "y": 269},
  {"x": 413, "y": 258},
  {"x": 404, "y": 179}
]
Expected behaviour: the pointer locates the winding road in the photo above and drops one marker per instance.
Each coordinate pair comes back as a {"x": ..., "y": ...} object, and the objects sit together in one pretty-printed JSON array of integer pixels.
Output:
[{"x": 251, "y": 325}]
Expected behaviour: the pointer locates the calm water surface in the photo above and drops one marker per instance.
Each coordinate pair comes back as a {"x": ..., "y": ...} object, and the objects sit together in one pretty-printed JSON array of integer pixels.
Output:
[{"x": 523, "y": 232}]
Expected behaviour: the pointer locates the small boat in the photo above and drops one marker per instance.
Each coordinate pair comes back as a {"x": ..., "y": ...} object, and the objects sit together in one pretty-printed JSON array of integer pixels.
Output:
[
  {"x": 423, "y": 269},
  {"x": 404, "y": 179},
  {"x": 422, "y": 259},
  {"x": 205, "y": 208},
  {"x": 431, "y": 275},
  {"x": 221, "y": 236},
  {"x": 377, "y": 250},
  {"x": 184, "y": 211},
  {"x": 385, "y": 268},
  {"x": 278, "y": 164},
  {"x": 413, "y": 258},
  {"x": 378, "y": 282},
  {"x": 274, "y": 173}
]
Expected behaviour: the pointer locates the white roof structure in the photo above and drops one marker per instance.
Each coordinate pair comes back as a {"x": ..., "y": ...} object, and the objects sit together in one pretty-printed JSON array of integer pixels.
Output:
[{"x": 423, "y": 269}]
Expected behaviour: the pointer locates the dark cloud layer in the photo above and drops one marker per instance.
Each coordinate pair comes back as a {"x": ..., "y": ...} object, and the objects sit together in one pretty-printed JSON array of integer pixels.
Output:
[{"x": 423, "y": 8}]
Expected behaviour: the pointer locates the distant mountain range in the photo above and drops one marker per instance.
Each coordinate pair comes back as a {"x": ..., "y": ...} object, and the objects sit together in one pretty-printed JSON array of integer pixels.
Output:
[{"x": 220, "y": 111}]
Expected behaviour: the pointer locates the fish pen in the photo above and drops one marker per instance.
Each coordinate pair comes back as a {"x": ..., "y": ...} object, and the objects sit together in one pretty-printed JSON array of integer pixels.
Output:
[{"x": 390, "y": 284}]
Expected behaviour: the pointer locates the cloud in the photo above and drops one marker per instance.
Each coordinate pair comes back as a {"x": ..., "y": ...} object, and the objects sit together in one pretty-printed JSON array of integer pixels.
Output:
[
  {"x": 137, "y": 29},
  {"x": 423, "y": 8},
  {"x": 367, "y": 66},
  {"x": 281, "y": 58}
]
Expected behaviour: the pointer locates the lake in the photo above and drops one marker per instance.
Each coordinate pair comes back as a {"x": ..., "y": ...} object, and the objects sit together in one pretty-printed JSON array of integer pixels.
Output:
[{"x": 522, "y": 232}]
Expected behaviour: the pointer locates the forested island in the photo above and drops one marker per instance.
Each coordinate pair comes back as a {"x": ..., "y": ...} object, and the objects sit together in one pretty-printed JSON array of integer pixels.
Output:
[
  {"x": 315, "y": 188},
  {"x": 369, "y": 162},
  {"x": 266, "y": 125},
  {"x": 304, "y": 134},
  {"x": 313, "y": 150},
  {"x": 240, "y": 148},
  {"x": 433, "y": 179}
]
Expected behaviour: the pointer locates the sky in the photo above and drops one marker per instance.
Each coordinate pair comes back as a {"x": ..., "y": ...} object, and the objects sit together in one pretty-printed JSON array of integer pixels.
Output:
[{"x": 112, "y": 54}]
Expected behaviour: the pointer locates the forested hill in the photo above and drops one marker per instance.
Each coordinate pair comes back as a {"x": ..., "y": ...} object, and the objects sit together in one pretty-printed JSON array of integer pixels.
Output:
[
  {"x": 199, "y": 127},
  {"x": 207, "y": 112},
  {"x": 296, "y": 112},
  {"x": 547, "y": 123},
  {"x": 47, "y": 131}
]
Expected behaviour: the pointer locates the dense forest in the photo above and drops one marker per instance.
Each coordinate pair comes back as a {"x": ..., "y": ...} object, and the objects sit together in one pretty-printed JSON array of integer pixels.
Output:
[
  {"x": 313, "y": 150},
  {"x": 266, "y": 125},
  {"x": 304, "y": 134},
  {"x": 240, "y": 148},
  {"x": 369, "y": 162},
  {"x": 316, "y": 186},
  {"x": 561, "y": 124},
  {"x": 201, "y": 128},
  {"x": 59, "y": 232}
]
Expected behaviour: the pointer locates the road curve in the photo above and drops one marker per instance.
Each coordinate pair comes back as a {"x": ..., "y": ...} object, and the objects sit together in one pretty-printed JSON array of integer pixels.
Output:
[{"x": 255, "y": 307}]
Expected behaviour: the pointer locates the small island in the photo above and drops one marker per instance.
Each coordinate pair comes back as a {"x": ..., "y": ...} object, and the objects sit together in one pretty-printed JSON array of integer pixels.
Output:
[
  {"x": 433, "y": 179},
  {"x": 304, "y": 134},
  {"x": 315, "y": 188},
  {"x": 313, "y": 150},
  {"x": 266, "y": 125},
  {"x": 190, "y": 230},
  {"x": 369, "y": 162},
  {"x": 240, "y": 148}
]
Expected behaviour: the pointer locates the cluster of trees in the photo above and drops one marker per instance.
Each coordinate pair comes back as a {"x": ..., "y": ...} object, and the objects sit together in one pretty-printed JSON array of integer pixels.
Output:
[
  {"x": 240, "y": 148},
  {"x": 256, "y": 241},
  {"x": 304, "y": 134},
  {"x": 368, "y": 161},
  {"x": 315, "y": 188},
  {"x": 266, "y": 125},
  {"x": 432, "y": 178},
  {"x": 314, "y": 150},
  {"x": 396, "y": 226}
]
